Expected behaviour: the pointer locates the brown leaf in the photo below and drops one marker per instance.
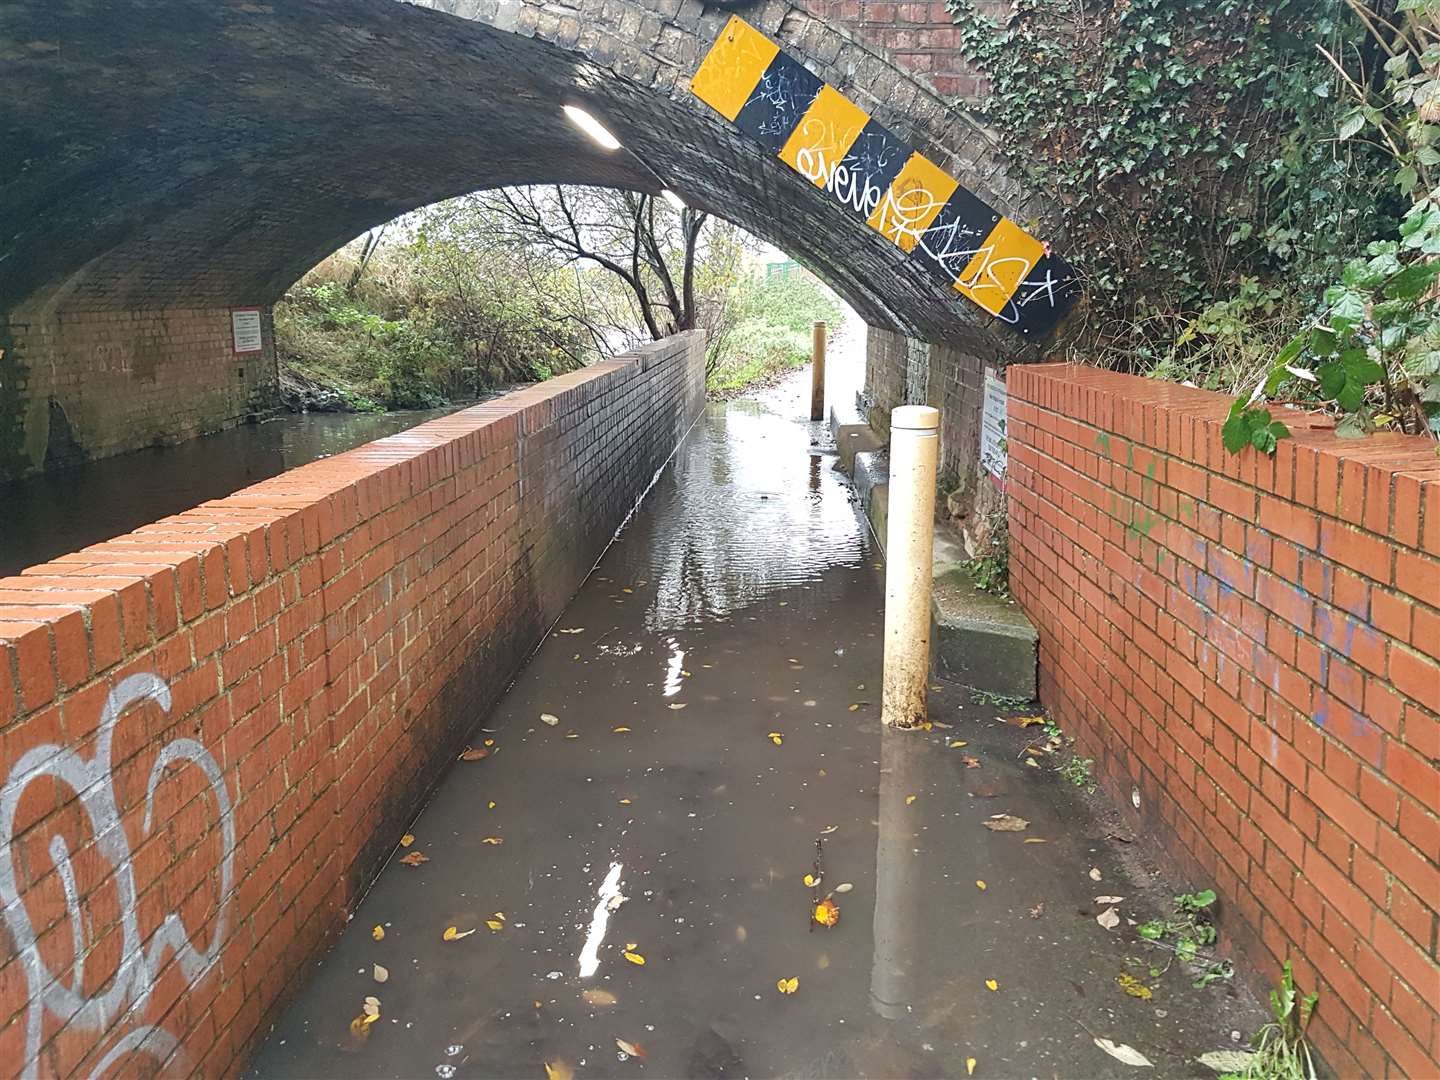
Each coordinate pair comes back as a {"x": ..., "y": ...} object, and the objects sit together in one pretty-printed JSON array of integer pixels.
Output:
[
  {"x": 475, "y": 753},
  {"x": 1006, "y": 823},
  {"x": 595, "y": 996},
  {"x": 415, "y": 858},
  {"x": 635, "y": 1050},
  {"x": 827, "y": 912},
  {"x": 970, "y": 762}
]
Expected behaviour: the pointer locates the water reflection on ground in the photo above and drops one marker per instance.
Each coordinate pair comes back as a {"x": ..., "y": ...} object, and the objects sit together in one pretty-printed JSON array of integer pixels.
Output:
[
  {"x": 54, "y": 513},
  {"x": 713, "y": 691}
]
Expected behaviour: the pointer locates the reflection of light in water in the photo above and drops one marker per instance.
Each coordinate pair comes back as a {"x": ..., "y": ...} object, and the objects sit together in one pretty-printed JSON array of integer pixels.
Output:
[
  {"x": 897, "y": 876},
  {"x": 609, "y": 892},
  {"x": 750, "y": 521},
  {"x": 672, "y": 668}
]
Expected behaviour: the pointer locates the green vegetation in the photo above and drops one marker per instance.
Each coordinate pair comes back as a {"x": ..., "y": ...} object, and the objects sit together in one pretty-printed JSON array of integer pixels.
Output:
[
  {"x": 1078, "y": 771},
  {"x": 989, "y": 568},
  {"x": 769, "y": 330},
  {"x": 1249, "y": 192},
  {"x": 1188, "y": 932},
  {"x": 1281, "y": 1050}
]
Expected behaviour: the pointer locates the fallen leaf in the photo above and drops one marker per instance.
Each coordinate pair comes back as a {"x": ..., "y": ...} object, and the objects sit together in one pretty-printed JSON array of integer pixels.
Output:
[
  {"x": 910, "y": 799},
  {"x": 1037, "y": 910},
  {"x": 489, "y": 742},
  {"x": 493, "y": 840},
  {"x": 776, "y": 738},
  {"x": 500, "y": 915},
  {"x": 572, "y": 734},
  {"x": 969, "y": 1066},
  {"x": 627, "y": 590},
  {"x": 371, "y": 1008},
  {"x": 559, "y": 1070},
  {"x": 574, "y": 630},
  {"x": 991, "y": 984},
  {"x": 970, "y": 762},
  {"x": 677, "y": 705},
  {"x": 598, "y": 997},
  {"x": 360, "y": 1026},
  {"x": 827, "y": 912},
  {"x": 1032, "y": 763},
  {"x": 958, "y": 742},
  {"x": 474, "y": 753},
  {"x": 407, "y": 839},
  {"x": 380, "y": 973},
  {"x": 452, "y": 934},
  {"x": 1036, "y": 840},
  {"x": 1134, "y": 987},
  {"x": 415, "y": 858},
  {"x": 788, "y": 986},
  {"x": 811, "y": 881},
  {"x": 495, "y": 924},
  {"x": 618, "y": 731},
  {"x": 854, "y": 708},
  {"x": 1109, "y": 918},
  {"x": 549, "y": 719},
  {"x": 844, "y": 887},
  {"x": 1109, "y": 899},
  {"x": 633, "y": 1049},
  {"x": 625, "y": 802},
  {"x": 1094, "y": 874},
  {"x": 1006, "y": 823},
  {"x": 981, "y": 886},
  {"x": 1227, "y": 1061},
  {"x": 378, "y": 933},
  {"x": 1128, "y": 1054},
  {"x": 1029, "y": 721},
  {"x": 634, "y": 957},
  {"x": 491, "y": 805},
  {"x": 828, "y": 829}
]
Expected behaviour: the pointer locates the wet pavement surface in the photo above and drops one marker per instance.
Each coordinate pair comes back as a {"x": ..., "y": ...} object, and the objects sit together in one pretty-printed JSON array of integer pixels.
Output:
[
  {"x": 659, "y": 777},
  {"x": 57, "y": 512}
]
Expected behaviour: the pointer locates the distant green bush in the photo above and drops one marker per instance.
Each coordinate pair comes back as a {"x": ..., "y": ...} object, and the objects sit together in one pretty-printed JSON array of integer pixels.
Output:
[{"x": 771, "y": 330}]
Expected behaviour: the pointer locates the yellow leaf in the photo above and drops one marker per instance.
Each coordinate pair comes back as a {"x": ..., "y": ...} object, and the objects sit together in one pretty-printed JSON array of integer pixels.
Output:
[
  {"x": 1134, "y": 987},
  {"x": 677, "y": 705},
  {"x": 958, "y": 742},
  {"x": 620, "y": 730},
  {"x": 910, "y": 799},
  {"x": 776, "y": 738},
  {"x": 558, "y": 1070},
  {"x": 572, "y": 734},
  {"x": 378, "y": 933},
  {"x": 495, "y": 924},
  {"x": 827, "y": 912},
  {"x": 500, "y": 915},
  {"x": 493, "y": 840},
  {"x": 991, "y": 984},
  {"x": 981, "y": 886},
  {"x": 854, "y": 708},
  {"x": 1037, "y": 840},
  {"x": 452, "y": 934},
  {"x": 788, "y": 986},
  {"x": 489, "y": 742},
  {"x": 625, "y": 802},
  {"x": 491, "y": 804},
  {"x": 811, "y": 880},
  {"x": 634, "y": 957},
  {"x": 407, "y": 839},
  {"x": 1029, "y": 721},
  {"x": 627, "y": 590},
  {"x": 969, "y": 1066}
]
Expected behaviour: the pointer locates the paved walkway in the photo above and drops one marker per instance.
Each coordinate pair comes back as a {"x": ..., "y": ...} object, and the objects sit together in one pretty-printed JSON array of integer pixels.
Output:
[{"x": 659, "y": 776}]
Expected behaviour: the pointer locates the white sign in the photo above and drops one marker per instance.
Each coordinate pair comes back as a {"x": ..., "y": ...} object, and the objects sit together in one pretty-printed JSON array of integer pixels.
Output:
[
  {"x": 245, "y": 329},
  {"x": 992, "y": 425}
]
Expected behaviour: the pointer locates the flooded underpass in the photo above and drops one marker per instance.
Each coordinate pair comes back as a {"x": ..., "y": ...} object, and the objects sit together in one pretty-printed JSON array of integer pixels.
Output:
[{"x": 618, "y": 885}]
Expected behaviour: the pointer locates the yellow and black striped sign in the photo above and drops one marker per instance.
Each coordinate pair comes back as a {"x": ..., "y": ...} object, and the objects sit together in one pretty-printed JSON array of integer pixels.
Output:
[{"x": 901, "y": 194}]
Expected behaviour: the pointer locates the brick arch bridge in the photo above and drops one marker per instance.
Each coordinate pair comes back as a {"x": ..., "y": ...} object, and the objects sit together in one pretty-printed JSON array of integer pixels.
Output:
[{"x": 172, "y": 161}]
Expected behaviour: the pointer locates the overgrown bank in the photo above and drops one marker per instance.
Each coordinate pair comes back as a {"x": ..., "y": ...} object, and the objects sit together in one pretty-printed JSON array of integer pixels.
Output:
[{"x": 486, "y": 292}]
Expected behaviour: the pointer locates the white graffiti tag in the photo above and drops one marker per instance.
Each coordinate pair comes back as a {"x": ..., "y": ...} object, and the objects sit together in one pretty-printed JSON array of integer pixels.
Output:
[{"x": 93, "y": 784}]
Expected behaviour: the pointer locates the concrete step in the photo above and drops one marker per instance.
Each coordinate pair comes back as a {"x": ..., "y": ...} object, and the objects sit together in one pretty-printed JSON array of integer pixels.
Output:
[{"x": 976, "y": 638}]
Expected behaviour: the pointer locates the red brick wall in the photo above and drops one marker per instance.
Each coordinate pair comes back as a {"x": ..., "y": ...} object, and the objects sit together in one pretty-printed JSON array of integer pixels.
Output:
[
  {"x": 124, "y": 379},
  {"x": 287, "y": 672},
  {"x": 920, "y": 37},
  {"x": 1252, "y": 643}
]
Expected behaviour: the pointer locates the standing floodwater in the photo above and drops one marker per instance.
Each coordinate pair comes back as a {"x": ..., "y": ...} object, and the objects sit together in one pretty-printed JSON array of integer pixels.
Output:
[
  {"x": 624, "y": 874},
  {"x": 58, "y": 512}
]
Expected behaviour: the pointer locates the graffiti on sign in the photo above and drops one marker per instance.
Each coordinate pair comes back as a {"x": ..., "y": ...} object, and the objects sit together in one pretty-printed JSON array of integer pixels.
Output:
[
  {"x": 872, "y": 173},
  {"x": 63, "y": 994}
]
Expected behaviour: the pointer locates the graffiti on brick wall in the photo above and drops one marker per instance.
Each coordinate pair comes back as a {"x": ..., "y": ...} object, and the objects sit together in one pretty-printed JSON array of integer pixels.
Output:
[
  {"x": 872, "y": 173},
  {"x": 91, "y": 784}
]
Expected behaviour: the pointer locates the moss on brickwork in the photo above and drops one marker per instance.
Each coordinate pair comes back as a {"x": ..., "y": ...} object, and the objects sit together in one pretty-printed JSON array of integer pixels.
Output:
[{"x": 13, "y": 378}]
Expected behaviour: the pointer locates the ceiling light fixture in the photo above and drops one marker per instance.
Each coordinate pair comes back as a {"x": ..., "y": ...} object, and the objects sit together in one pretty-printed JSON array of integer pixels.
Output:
[{"x": 592, "y": 127}]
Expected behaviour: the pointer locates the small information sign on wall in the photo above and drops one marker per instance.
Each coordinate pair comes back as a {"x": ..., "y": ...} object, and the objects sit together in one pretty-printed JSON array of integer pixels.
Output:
[
  {"x": 245, "y": 330},
  {"x": 992, "y": 426}
]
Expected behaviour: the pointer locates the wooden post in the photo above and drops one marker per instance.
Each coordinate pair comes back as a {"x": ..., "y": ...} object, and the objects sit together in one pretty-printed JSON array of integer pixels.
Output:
[{"x": 817, "y": 372}]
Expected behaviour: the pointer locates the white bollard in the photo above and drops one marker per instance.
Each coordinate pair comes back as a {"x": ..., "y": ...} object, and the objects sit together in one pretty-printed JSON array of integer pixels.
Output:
[{"x": 910, "y": 539}]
